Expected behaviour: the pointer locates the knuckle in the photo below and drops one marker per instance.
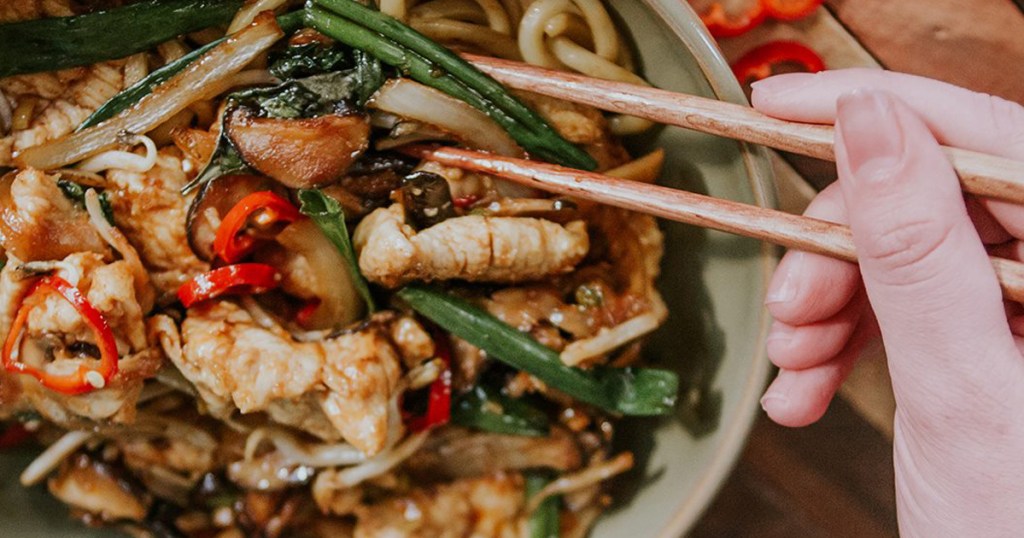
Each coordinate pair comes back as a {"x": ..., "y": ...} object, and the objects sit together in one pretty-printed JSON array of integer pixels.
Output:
[{"x": 905, "y": 251}]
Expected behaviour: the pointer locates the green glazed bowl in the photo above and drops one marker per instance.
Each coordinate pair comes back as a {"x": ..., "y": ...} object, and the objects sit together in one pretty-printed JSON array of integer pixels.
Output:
[{"x": 713, "y": 284}]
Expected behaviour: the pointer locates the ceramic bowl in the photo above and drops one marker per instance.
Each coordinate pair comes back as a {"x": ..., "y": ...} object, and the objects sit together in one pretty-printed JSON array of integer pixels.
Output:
[{"x": 712, "y": 282}]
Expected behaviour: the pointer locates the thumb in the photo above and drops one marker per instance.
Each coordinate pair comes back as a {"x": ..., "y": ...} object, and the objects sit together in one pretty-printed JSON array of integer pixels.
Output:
[{"x": 924, "y": 267}]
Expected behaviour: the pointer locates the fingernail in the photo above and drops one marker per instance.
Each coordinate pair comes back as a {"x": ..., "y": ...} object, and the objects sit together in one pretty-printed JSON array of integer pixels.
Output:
[
  {"x": 871, "y": 134},
  {"x": 772, "y": 402},
  {"x": 784, "y": 284}
]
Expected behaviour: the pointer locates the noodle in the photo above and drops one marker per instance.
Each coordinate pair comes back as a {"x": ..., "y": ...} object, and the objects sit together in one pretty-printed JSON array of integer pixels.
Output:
[
  {"x": 53, "y": 456},
  {"x": 123, "y": 160}
]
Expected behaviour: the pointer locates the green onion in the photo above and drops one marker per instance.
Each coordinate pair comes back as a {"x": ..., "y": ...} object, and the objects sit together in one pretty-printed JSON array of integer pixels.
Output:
[
  {"x": 629, "y": 391},
  {"x": 544, "y": 521},
  {"x": 132, "y": 94},
  {"x": 54, "y": 43},
  {"x": 424, "y": 60},
  {"x": 484, "y": 408},
  {"x": 328, "y": 215}
]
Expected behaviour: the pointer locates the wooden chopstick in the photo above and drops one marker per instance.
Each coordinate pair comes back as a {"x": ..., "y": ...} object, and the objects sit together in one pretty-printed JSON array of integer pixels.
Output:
[
  {"x": 980, "y": 174},
  {"x": 790, "y": 231}
]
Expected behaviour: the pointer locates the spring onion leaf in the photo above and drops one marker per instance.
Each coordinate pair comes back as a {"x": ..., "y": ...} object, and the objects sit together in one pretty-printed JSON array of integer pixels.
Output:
[
  {"x": 432, "y": 64},
  {"x": 487, "y": 409},
  {"x": 132, "y": 94},
  {"x": 328, "y": 215},
  {"x": 629, "y": 391},
  {"x": 53, "y": 43},
  {"x": 544, "y": 521}
]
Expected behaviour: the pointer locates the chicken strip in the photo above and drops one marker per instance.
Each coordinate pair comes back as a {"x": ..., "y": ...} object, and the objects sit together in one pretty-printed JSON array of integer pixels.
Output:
[
  {"x": 236, "y": 363},
  {"x": 475, "y": 248},
  {"x": 150, "y": 210}
]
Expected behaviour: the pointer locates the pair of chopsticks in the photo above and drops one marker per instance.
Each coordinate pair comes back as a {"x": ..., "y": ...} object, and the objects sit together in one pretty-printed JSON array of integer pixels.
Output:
[{"x": 980, "y": 174}]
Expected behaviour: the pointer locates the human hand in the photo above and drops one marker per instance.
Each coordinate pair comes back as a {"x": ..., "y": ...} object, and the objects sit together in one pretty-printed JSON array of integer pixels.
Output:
[{"x": 954, "y": 347}]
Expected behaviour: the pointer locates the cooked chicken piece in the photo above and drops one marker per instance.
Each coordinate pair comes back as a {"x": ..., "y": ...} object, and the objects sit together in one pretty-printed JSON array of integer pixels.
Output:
[
  {"x": 150, "y": 210},
  {"x": 236, "y": 363},
  {"x": 490, "y": 506},
  {"x": 37, "y": 222},
  {"x": 582, "y": 125},
  {"x": 53, "y": 114},
  {"x": 54, "y": 328},
  {"x": 475, "y": 248},
  {"x": 23, "y": 10}
]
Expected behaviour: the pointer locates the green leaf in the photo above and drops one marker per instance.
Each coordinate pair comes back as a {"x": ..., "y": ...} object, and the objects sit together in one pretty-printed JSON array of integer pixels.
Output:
[
  {"x": 629, "y": 391},
  {"x": 487, "y": 409},
  {"x": 309, "y": 59},
  {"x": 328, "y": 215}
]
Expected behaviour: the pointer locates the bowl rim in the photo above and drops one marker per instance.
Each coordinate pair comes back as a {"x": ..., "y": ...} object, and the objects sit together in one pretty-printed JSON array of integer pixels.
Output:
[{"x": 686, "y": 25}]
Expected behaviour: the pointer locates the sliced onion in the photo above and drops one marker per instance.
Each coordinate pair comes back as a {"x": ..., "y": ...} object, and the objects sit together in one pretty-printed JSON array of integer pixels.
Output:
[
  {"x": 382, "y": 462},
  {"x": 610, "y": 338},
  {"x": 248, "y": 12},
  {"x": 200, "y": 80},
  {"x": 415, "y": 101},
  {"x": 590, "y": 476},
  {"x": 295, "y": 452}
]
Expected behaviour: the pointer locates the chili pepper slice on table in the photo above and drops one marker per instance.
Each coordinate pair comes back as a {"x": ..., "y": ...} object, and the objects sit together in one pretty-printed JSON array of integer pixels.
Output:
[
  {"x": 732, "y": 18},
  {"x": 439, "y": 400},
  {"x": 238, "y": 279},
  {"x": 263, "y": 208},
  {"x": 85, "y": 378},
  {"x": 790, "y": 10},
  {"x": 776, "y": 57}
]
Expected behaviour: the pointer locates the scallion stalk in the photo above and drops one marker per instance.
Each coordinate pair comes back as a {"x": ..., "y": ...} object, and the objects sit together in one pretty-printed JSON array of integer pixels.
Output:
[
  {"x": 53, "y": 43},
  {"x": 629, "y": 391}
]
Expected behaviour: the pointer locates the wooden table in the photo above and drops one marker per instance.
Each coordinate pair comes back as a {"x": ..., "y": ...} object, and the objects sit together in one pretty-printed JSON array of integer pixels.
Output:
[{"x": 835, "y": 478}]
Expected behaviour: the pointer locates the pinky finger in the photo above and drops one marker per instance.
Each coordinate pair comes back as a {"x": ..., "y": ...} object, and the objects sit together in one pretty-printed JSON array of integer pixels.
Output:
[{"x": 800, "y": 397}]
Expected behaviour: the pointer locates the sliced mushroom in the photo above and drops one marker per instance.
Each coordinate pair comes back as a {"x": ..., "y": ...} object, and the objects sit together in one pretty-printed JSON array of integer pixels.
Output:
[
  {"x": 97, "y": 488},
  {"x": 300, "y": 153}
]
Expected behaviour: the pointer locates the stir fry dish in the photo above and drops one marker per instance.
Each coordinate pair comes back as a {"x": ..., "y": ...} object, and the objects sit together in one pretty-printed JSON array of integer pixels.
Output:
[{"x": 234, "y": 302}]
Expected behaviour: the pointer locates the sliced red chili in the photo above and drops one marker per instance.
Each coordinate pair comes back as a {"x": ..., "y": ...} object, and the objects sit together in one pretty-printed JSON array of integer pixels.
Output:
[
  {"x": 790, "y": 10},
  {"x": 734, "y": 20},
  {"x": 238, "y": 279},
  {"x": 776, "y": 57},
  {"x": 232, "y": 243},
  {"x": 439, "y": 400},
  {"x": 85, "y": 378}
]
